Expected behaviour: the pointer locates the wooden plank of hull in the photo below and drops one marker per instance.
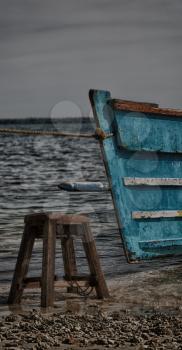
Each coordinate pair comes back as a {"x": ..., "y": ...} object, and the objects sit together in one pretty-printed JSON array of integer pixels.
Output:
[
  {"x": 152, "y": 181},
  {"x": 137, "y": 139},
  {"x": 139, "y": 133},
  {"x": 144, "y": 108},
  {"x": 135, "y": 103},
  {"x": 137, "y": 215},
  {"x": 161, "y": 244}
]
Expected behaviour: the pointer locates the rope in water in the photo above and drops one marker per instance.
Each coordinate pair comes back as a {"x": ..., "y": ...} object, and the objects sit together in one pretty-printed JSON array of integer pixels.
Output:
[
  {"x": 99, "y": 133},
  {"x": 44, "y": 133}
]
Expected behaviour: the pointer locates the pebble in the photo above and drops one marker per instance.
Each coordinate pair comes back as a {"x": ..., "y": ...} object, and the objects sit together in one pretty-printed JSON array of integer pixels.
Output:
[{"x": 36, "y": 331}]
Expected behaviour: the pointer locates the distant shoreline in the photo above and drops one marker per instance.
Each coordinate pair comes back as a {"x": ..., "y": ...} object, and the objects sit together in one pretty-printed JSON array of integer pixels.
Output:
[{"x": 48, "y": 120}]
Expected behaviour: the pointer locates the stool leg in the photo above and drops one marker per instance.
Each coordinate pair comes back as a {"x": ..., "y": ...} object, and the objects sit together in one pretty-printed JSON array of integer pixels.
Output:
[
  {"x": 93, "y": 261},
  {"x": 68, "y": 252},
  {"x": 48, "y": 264},
  {"x": 22, "y": 264}
]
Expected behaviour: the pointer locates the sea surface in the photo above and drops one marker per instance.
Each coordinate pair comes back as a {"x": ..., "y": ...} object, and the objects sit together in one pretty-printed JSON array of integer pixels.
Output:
[{"x": 31, "y": 168}]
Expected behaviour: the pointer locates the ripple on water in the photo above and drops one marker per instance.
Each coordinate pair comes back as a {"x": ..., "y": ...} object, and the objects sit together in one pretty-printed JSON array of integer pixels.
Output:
[{"x": 31, "y": 168}]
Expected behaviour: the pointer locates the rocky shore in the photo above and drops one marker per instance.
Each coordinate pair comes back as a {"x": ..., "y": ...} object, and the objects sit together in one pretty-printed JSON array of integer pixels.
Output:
[
  {"x": 120, "y": 330},
  {"x": 144, "y": 312}
]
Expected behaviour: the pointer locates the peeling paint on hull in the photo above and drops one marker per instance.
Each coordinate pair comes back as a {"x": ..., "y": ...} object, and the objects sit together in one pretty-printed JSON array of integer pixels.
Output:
[{"x": 143, "y": 161}]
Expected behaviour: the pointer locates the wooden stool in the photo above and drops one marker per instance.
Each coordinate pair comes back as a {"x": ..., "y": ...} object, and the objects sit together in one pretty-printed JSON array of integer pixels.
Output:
[{"x": 48, "y": 226}]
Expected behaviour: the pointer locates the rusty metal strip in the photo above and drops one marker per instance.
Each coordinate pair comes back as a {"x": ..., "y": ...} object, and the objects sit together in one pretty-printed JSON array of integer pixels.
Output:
[
  {"x": 137, "y": 215},
  {"x": 134, "y": 103},
  {"x": 144, "y": 108},
  {"x": 152, "y": 181}
]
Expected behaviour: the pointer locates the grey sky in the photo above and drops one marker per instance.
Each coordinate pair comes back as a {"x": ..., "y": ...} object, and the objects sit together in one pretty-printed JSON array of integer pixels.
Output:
[{"x": 52, "y": 50}]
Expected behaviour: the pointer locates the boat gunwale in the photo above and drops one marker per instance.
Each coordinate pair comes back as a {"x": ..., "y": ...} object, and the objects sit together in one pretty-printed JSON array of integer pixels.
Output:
[{"x": 143, "y": 107}]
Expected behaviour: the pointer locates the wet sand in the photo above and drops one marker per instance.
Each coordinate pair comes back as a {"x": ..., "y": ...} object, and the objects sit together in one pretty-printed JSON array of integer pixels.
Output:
[{"x": 144, "y": 312}]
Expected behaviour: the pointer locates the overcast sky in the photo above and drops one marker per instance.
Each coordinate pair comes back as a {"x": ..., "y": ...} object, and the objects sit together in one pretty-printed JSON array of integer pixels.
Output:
[{"x": 54, "y": 50}]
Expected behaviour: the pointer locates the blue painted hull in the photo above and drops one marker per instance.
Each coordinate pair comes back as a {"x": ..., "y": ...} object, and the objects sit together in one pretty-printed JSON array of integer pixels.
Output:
[{"x": 144, "y": 144}]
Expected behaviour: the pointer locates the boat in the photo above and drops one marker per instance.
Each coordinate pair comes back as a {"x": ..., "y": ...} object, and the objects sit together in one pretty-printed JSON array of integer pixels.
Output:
[{"x": 141, "y": 145}]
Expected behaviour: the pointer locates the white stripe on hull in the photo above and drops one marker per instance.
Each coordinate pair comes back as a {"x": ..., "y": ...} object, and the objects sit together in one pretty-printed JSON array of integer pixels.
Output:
[
  {"x": 156, "y": 214},
  {"x": 152, "y": 181}
]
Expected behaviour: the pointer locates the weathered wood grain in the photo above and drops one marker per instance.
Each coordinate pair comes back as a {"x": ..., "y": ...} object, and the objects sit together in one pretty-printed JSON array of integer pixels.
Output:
[
  {"x": 93, "y": 261},
  {"x": 48, "y": 264},
  {"x": 133, "y": 103},
  {"x": 162, "y": 244},
  {"x": 138, "y": 132},
  {"x": 144, "y": 108},
  {"x": 49, "y": 226},
  {"x": 146, "y": 143},
  {"x": 68, "y": 252},
  {"x": 152, "y": 181},
  {"x": 38, "y": 218},
  {"x": 22, "y": 265},
  {"x": 157, "y": 214}
]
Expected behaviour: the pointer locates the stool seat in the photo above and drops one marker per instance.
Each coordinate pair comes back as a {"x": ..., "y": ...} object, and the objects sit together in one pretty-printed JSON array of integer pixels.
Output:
[
  {"x": 65, "y": 219},
  {"x": 49, "y": 226}
]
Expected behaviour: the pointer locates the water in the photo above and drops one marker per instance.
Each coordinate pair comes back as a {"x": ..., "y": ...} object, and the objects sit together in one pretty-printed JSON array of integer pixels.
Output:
[{"x": 31, "y": 169}]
